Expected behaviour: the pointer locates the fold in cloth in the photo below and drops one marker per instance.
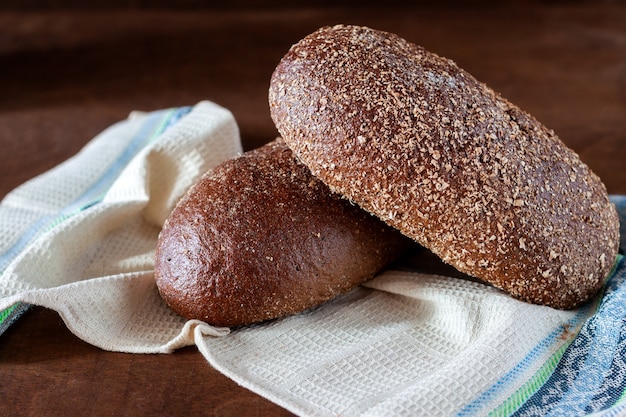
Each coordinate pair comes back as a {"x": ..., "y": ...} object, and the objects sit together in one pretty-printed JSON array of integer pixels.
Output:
[{"x": 80, "y": 239}]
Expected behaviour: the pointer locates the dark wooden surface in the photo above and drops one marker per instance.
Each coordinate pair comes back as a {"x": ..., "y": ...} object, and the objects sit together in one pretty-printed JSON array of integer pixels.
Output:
[{"x": 66, "y": 74}]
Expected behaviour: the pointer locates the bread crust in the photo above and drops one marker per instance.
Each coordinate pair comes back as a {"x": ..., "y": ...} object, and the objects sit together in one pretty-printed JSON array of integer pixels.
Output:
[
  {"x": 259, "y": 238},
  {"x": 420, "y": 143}
]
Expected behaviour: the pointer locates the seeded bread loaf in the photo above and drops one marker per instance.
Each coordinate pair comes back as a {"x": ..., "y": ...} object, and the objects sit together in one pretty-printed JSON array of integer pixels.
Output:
[
  {"x": 417, "y": 141},
  {"x": 258, "y": 238}
]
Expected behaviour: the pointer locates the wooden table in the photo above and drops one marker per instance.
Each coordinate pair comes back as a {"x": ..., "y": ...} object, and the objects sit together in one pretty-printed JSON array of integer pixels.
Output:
[{"x": 66, "y": 75}]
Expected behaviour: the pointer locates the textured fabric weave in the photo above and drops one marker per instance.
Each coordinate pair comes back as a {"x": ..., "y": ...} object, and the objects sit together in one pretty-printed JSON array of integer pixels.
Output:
[{"x": 80, "y": 239}]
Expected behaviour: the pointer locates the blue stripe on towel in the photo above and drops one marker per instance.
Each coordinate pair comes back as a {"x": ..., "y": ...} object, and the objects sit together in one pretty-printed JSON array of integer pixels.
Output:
[
  {"x": 591, "y": 375},
  {"x": 154, "y": 126},
  {"x": 531, "y": 358}
]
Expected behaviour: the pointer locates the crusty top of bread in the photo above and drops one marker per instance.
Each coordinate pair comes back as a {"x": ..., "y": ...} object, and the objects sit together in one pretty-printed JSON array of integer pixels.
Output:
[
  {"x": 259, "y": 237},
  {"x": 419, "y": 142}
]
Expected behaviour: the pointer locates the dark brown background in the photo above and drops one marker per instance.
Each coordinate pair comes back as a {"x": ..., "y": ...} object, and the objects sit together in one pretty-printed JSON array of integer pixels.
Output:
[{"x": 68, "y": 70}]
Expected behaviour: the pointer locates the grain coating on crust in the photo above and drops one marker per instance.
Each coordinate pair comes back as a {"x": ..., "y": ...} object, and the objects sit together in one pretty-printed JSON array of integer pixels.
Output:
[
  {"x": 417, "y": 141},
  {"x": 259, "y": 238}
]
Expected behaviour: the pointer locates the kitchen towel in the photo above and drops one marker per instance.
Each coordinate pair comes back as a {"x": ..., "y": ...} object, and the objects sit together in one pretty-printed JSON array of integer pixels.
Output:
[{"x": 80, "y": 239}]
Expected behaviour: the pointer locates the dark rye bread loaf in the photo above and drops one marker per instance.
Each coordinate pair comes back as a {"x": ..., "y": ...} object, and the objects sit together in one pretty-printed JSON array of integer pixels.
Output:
[
  {"x": 259, "y": 237},
  {"x": 417, "y": 141}
]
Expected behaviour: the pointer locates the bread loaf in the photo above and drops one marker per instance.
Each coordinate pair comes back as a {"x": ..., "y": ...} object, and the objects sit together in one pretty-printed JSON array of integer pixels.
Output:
[
  {"x": 259, "y": 237},
  {"x": 417, "y": 141}
]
